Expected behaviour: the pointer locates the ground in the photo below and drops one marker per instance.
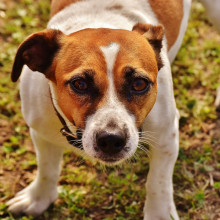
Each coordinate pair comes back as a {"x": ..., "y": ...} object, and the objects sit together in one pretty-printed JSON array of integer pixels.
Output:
[{"x": 94, "y": 192}]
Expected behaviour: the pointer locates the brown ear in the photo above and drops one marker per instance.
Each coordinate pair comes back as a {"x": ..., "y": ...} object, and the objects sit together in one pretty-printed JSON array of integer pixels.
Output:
[
  {"x": 37, "y": 52},
  {"x": 154, "y": 34}
]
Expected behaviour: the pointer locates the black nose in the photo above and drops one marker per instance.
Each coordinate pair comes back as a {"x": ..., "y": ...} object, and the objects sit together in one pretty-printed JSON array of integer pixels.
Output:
[{"x": 110, "y": 143}]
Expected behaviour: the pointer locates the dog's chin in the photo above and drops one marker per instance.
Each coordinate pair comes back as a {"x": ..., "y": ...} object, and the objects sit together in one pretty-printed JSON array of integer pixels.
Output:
[{"x": 111, "y": 161}]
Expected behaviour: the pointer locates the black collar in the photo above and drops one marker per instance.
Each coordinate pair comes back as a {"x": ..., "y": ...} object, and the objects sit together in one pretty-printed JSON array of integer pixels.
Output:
[{"x": 73, "y": 139}]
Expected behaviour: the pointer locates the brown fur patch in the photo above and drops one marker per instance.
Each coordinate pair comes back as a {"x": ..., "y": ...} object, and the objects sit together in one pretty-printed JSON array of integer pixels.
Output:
[
  {"x": 169, "y": 14},
  {"x": 73, "y": 59},
  {"x": 58, "y": 5}
]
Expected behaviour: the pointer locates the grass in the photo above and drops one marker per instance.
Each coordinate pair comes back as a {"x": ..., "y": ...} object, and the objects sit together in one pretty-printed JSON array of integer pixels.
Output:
[{"x": 88, "y": 192}]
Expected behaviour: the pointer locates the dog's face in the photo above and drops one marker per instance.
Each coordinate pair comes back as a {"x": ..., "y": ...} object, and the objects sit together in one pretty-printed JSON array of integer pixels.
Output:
[{"x": 103, "y": 80}]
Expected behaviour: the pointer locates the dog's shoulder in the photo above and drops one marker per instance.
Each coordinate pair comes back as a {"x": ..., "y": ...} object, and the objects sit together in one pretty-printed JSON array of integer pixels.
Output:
[{"x": 170, "y": 14}]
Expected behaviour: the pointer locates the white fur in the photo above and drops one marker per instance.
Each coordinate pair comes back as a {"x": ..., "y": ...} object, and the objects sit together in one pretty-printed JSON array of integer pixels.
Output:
[
  {"x": 162, "y": 121},
  {"x": 100, "y": 15}
]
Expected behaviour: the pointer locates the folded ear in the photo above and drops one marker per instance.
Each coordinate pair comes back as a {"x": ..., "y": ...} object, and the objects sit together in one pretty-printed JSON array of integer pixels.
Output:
[
  {"x": 37, "y": 52},
  {"x": 154, "y": 35}
]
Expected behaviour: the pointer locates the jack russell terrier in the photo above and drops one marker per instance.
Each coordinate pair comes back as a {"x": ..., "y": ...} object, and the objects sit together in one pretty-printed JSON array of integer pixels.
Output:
[{"x": 99, "y": 78}]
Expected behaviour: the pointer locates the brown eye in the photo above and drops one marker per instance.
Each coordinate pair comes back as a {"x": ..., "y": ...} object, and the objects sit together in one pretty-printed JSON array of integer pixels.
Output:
[
  {"x": 79, "y": 85},
  {"x": 140, "y": 85}
]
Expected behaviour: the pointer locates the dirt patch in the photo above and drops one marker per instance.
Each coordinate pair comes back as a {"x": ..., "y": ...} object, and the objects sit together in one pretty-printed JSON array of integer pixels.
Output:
[
  {"x": 216, "y": 131},
  {"x": 5, "y": 131}
]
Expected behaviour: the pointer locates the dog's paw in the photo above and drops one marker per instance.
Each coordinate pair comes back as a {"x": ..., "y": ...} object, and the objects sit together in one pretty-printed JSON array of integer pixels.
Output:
[
  {"x": 160, "y": 211},
  {"x": 161, "y": 216},
  {"x": 33, "y": 200}
]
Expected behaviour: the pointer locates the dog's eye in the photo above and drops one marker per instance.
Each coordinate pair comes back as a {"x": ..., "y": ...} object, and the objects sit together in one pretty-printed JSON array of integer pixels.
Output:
[
  {"x": 140, "y": 85},
  {"x": 79, "y": 85}
]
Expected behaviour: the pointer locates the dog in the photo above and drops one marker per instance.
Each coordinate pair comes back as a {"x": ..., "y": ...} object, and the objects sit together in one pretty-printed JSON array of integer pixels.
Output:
[{"x": 97, "y": 79}]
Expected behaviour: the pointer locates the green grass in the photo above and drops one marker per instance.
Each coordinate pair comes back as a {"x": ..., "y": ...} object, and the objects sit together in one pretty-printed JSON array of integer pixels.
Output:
[{"x": 91, "y": 192}]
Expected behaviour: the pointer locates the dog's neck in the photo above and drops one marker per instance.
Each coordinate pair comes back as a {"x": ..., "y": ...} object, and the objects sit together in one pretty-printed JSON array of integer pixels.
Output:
[{"x": 104, "y": 14}]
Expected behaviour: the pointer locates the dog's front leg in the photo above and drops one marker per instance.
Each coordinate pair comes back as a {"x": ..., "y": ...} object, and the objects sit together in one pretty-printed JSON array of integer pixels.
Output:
[
  {"x": 159, "y": 187},
  {"x": 161, "y": 126},
  {"x": 36, "y": 198}
]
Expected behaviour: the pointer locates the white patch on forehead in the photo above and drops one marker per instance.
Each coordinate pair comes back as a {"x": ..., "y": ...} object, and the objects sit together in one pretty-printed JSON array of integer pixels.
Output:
[{"x": 110, "y": 53}]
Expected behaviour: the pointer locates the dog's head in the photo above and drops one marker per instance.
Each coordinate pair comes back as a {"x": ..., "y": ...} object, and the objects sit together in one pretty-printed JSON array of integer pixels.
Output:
[{"x": 103, "y": 81}]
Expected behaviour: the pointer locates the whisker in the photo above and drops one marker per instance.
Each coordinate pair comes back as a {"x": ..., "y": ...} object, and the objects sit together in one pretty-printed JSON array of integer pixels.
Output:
[
  {"x": 144, "y": 149},
  {"x": 147, "y": 132},
  {"x": 149, "y": 140}
]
